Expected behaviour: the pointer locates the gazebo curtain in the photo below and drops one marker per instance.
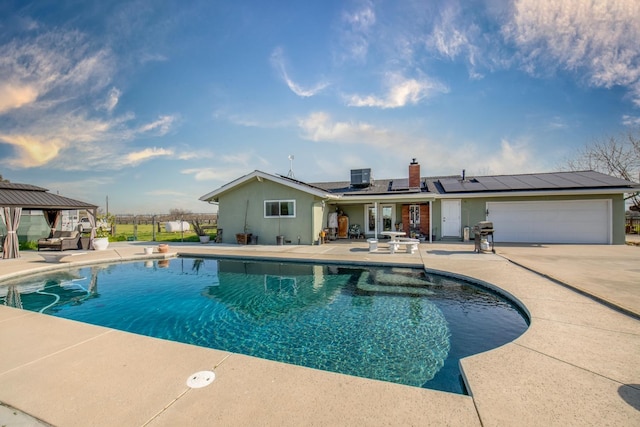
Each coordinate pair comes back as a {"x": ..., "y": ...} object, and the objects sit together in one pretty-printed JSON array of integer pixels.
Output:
[
  {"x": 11, "y": 248},
  {"x": 51, "y": 216},
  {"x": 92, "y": 220}
]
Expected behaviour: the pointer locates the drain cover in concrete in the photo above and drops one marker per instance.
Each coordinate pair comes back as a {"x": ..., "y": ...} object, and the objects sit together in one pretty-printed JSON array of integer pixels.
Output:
[{"x": 201, "y": 379}]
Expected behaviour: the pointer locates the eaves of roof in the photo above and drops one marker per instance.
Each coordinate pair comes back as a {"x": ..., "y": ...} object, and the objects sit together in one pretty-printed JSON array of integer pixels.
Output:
[
  {"x": 534, "y": 193},
  {"x": 259, "y": 176},
  {"x": 38, "y": 199}
]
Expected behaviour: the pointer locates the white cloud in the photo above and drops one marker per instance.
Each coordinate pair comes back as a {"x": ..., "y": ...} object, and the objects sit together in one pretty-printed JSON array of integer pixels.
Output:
[
  {"x": 356, "y": 28},
  {"x": 437, "y": 156},
  {"x": 112, "y": 99},
  {"x": 222, "y": 175},
  {"x": 45, "y": 140},
  {"x": 162, "y": 125},
  {"x": 401, "y": 91},
  {"x": 46, "y": 80},
  {"x": 512, "y": 158},
  {"x": 240, "y": 159},
  {"x": 277, "y": 60},
  {"x": 599, "y": 39},
  {"x": 73, "y": 141},
  {"x": 32, "y": 151},
  {"x": 319, "y": 127},
  {"x": 631, "y": 120},
  {"x": 448, "y": 38},
  {"x": 228, "y": 167},
  {"x": 137, "y": 157},
  {"x": 635, "y": 93},
  {"x": 16, "y": 95},
  {"x": 50, "y": 66},
  {"x": 452, "y": 37}
]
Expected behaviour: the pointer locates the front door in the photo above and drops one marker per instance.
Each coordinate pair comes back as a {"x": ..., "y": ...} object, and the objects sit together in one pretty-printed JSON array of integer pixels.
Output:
[{"x": 451, "y": 218}]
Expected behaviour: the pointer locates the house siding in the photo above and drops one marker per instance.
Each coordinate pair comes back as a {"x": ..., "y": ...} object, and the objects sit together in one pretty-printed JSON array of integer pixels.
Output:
[{"x": 304, "y": 228}]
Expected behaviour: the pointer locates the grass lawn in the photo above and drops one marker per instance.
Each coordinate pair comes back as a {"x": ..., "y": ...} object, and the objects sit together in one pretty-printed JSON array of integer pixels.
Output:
[{"x": 124, "y": 232}]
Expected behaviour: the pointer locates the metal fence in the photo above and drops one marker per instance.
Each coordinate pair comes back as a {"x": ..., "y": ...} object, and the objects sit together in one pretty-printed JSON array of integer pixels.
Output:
[
  {"x": 207, "y": 221},
  {"x": 205, "y": 218}
]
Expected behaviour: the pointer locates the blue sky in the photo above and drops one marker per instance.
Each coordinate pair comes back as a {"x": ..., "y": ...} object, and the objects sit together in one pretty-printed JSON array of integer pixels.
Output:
[{"x": 156, "y": 103}]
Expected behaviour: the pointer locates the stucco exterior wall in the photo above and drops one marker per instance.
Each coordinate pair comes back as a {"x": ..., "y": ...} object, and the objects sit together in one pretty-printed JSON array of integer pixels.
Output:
[
  {"x": 248, "y": 199},
  {"x": 355, "y": 212}
]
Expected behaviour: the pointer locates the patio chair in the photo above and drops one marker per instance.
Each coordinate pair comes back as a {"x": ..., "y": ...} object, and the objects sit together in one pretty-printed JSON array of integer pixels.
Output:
[
  {"x": 60, "y": 241},
  {"x": 354, "y": 232}
]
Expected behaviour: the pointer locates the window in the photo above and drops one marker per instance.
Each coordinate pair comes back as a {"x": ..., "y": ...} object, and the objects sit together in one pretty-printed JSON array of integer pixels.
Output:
[
  {"x": 279, "y": 208},
  {"x": 414, "y": 216}
]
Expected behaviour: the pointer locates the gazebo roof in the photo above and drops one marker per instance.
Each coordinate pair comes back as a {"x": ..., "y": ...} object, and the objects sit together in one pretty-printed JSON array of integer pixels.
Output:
[{"x": 28, "y": 196}]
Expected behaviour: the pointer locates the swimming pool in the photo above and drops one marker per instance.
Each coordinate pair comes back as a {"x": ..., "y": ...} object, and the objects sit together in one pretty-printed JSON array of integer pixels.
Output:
[{"x": 393, "y": 324}]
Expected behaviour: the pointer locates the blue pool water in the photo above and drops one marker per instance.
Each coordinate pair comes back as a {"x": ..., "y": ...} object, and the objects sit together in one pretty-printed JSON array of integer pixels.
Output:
[{"x": 392, "y": 324}]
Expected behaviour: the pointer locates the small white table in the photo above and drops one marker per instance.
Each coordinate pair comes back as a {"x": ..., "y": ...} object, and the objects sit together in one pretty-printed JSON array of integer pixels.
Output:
[{"x": 393, "y": 234}]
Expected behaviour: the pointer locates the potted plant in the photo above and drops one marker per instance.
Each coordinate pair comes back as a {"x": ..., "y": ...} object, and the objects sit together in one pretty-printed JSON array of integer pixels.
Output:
[
  {"x": 200, "y": 230},
  {"x": 101, "y": 241},
  {"x": 243, "y": 238}
]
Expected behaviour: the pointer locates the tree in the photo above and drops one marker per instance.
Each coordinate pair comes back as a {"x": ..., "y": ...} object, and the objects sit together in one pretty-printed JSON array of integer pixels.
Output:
[
  {"x": 618, "y": 156},
  {"x": 179, "y": 213},
  {"x": 2, "y": 179}
]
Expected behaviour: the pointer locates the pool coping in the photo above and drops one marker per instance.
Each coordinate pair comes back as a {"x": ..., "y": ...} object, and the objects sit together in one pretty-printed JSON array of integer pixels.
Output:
[{"x": 565, "y": 369}]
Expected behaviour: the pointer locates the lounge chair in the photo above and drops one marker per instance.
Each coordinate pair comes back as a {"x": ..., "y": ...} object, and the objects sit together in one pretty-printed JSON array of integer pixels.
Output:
[{"x": 60, "y": 241}]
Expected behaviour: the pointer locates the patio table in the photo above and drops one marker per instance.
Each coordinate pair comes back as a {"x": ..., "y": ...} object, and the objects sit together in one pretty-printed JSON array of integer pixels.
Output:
[{"x": 393, "y": 234}]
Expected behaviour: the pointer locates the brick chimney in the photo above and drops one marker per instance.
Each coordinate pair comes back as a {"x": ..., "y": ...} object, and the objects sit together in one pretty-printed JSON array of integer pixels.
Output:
[{"x": 414, "y": 174}]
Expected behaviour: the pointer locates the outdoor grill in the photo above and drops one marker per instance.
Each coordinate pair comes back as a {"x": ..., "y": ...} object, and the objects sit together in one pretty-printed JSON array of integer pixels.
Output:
[{"x": 482, "y": 231}]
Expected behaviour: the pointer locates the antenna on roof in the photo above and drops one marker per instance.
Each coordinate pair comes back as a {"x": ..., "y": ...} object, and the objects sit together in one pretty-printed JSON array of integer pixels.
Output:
[{"x": 290, "y": 174}]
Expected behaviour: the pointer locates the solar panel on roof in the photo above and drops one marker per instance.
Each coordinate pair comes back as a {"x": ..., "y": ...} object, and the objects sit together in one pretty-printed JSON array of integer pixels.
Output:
[
  {"x": 595, "y": 179},
  {"x": 451, "y": 185},
  {"x": 586, "y": 181},
  {"x": 473, "y": 186},
  {"x": 536, "y": 182},
  {"x": 557, "y": 181},
  {"x": 400, "y": 184},
  {"x": 514, "y": 183},
  {"x": 491, "y": 183}
]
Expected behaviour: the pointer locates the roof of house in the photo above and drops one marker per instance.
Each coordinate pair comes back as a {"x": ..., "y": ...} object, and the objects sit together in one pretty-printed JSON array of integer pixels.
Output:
[
  {"x": 259, "y": 176},
  {"x": 537, "y": 181},
  {"x": 32, "y": 197},
  {"x": 443, "y": 186}
]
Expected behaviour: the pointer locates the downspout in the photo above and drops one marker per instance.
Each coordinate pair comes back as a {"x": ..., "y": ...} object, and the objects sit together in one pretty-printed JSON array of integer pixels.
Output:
[{"x": 430, "y": 221}]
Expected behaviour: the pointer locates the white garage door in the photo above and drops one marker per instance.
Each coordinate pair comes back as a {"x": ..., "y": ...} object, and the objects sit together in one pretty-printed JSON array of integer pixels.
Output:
[{"x": 580, "y": 221}]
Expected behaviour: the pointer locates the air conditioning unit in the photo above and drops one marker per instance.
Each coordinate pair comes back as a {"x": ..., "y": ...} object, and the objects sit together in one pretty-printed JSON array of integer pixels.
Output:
[{"x": 360, "y": 177}]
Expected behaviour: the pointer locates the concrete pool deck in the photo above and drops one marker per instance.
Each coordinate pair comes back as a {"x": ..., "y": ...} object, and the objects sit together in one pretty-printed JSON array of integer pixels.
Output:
[{"x": 577, "y": 364}]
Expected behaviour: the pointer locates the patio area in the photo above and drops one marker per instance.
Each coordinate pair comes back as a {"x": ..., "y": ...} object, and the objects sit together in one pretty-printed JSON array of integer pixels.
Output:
[{"x": 575, "y": 365}]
